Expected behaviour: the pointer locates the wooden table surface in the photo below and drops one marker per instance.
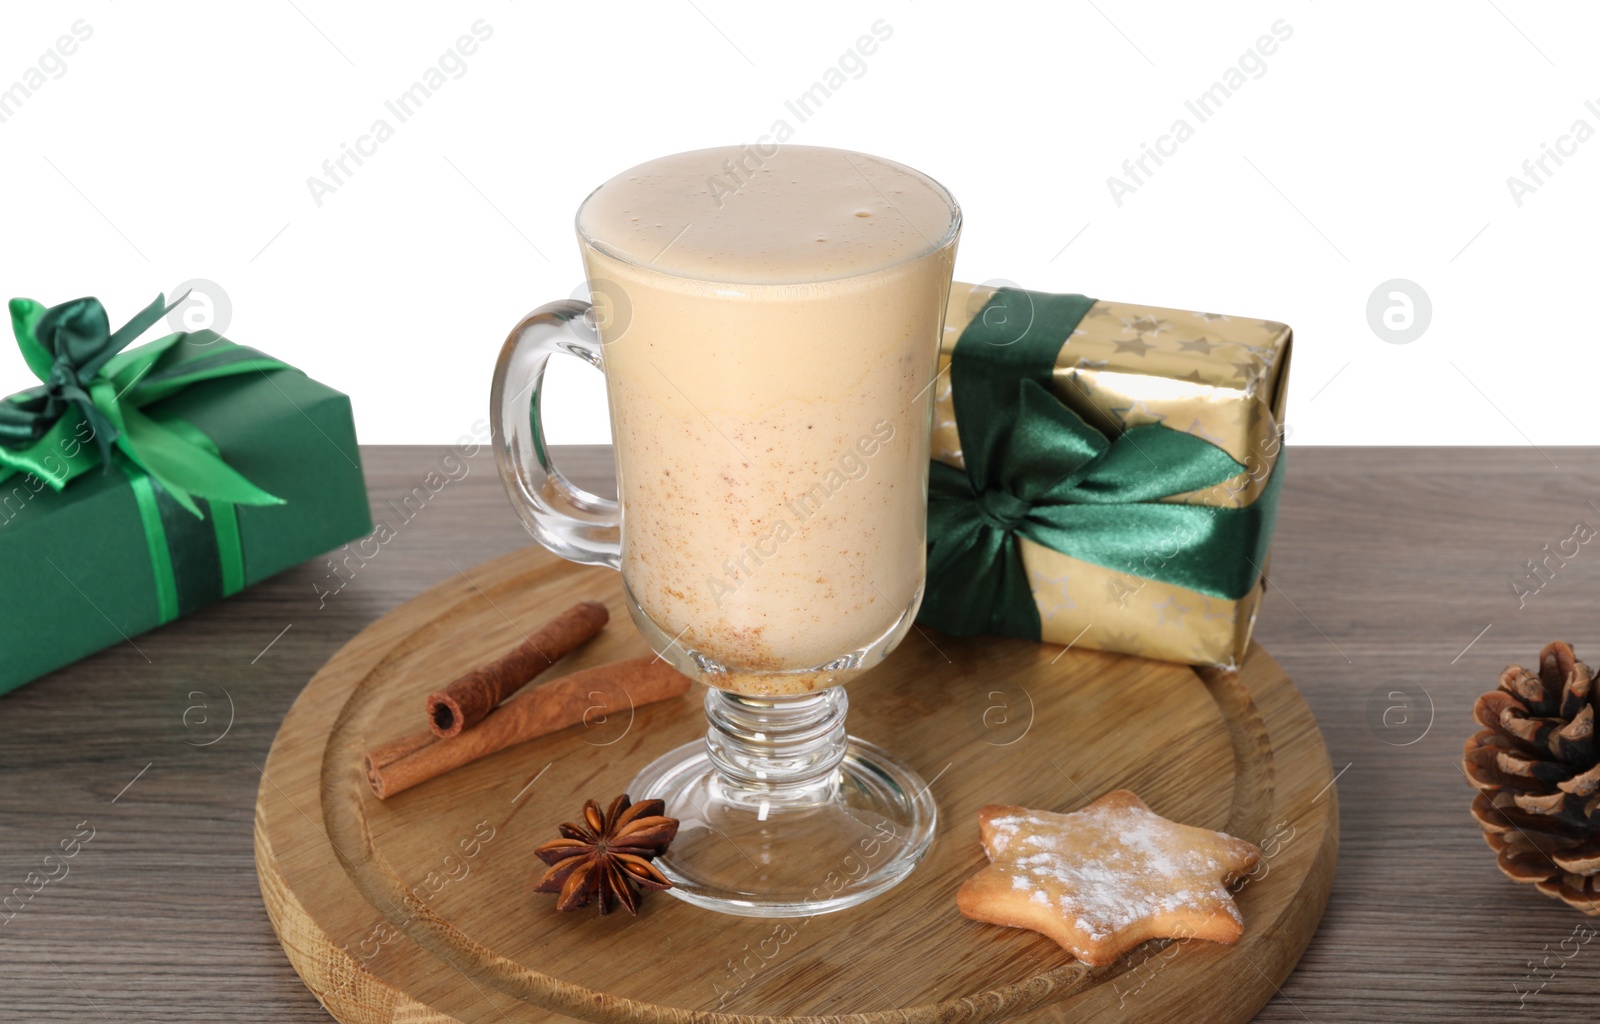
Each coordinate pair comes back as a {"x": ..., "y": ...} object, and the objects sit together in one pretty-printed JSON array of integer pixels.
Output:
[{"x": 1393, "y": 574}]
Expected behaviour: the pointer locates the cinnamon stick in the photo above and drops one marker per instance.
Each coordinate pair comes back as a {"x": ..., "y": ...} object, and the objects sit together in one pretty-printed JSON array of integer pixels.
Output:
[
  {"x": 468, "y": 700},
  {"x": 566, "y": 700},
  {"x": 395, "y": 749}
]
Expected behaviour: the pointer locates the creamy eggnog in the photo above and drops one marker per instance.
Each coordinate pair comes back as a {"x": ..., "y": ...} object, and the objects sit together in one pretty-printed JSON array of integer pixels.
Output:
[{"x": 770, "y": 324}]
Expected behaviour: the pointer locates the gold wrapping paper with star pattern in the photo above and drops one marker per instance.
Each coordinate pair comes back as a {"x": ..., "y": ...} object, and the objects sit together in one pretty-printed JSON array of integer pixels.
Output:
[{"x": 1221, "y": 378}]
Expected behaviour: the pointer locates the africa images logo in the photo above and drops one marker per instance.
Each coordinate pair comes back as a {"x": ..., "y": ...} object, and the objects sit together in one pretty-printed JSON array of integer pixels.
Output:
[{"x": 1252, "y": 64}]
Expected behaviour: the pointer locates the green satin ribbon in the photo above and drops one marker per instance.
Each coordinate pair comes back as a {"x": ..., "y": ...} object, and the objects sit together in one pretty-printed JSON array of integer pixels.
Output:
[
  {"x": 92, "y": 390},
  {"x": 88, "y": 412},
  {"x": 1035, "y": 469},
  {"x": 155, "y": 539},
  {"x": 222, "y": 574}
]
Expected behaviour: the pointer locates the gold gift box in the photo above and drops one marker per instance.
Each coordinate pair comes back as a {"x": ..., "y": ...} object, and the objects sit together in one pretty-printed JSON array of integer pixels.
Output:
[{"x": 1220, "y": 378}]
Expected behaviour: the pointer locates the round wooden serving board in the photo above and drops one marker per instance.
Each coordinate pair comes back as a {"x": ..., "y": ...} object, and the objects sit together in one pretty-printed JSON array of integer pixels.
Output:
[{"x": 421, "y": 909}]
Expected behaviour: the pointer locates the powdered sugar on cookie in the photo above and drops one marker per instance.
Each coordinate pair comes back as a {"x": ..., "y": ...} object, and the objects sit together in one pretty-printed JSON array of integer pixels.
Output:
[{"x": 1105, "y": 878}]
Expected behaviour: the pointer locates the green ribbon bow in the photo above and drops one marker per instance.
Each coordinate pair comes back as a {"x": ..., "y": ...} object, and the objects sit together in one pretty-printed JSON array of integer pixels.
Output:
[
  {"x": 93, "y": 390},
  {"x": 1035, "y": 469},
  {"x": 89, "y": 411}
]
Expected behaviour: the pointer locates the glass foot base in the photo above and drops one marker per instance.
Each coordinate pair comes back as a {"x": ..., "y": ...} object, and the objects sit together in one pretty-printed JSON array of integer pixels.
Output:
[{"x": 739, "y": 851}]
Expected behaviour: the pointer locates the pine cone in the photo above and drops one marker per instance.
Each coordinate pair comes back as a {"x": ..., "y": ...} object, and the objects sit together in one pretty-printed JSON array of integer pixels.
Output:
[{"x": 1538, "y": 776}]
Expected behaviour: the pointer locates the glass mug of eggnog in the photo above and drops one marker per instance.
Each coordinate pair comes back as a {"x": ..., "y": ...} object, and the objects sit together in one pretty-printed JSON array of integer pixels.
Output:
[{"x": 768, "y": 327}]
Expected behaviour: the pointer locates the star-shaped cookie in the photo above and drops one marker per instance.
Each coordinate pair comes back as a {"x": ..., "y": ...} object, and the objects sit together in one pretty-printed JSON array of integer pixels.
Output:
[{"x": 1103, "y": 879}]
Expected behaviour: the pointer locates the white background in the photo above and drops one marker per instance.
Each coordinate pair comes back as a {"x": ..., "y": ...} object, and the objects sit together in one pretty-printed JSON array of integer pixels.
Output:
[{"x": 178, "y": 142}]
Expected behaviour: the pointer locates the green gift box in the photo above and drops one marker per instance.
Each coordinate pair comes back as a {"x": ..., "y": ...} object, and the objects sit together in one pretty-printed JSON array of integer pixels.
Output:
[{"x": 138, "y": 486}]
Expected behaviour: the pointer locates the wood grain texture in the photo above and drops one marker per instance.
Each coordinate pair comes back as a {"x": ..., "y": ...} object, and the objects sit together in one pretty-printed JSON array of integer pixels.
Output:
[
  {"x": 1388, "y": 562},
  {"x": 423, "y": 903}
]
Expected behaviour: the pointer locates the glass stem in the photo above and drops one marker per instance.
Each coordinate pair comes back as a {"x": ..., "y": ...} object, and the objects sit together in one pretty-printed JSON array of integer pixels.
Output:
[{"x": 776, "y": 752}]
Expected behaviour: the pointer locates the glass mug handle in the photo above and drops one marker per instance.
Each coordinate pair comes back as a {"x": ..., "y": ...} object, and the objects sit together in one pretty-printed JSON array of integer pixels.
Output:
[{"x": 571, "y": 522}]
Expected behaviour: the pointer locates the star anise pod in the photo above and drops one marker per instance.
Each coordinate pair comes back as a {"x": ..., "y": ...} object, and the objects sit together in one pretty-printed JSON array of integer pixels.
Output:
[{"x": 602, "y": 859}]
